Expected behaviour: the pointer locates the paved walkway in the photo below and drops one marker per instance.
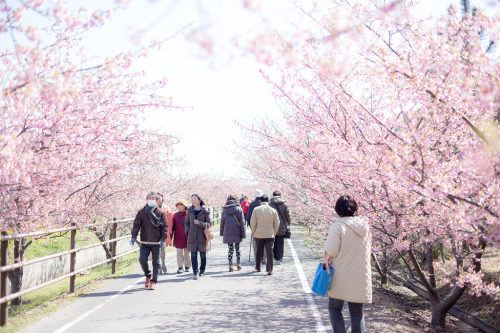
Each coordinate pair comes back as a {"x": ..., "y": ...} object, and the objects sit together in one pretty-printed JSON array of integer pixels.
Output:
[{"x": 220, "y": 301}]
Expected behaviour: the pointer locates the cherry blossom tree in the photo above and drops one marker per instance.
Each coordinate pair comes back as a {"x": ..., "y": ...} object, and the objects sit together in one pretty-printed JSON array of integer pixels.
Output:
[
  {"x": 71, "y": 143},
  {"x": 403, "y": 115}
]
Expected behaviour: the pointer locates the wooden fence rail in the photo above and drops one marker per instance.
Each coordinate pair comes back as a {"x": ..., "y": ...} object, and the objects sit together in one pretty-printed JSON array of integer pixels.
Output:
[{"x": 5, "y": 268}]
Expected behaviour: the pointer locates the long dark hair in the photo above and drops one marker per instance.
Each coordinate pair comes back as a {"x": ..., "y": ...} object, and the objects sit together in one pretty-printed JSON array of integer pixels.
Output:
[{"x": 202, "y": 203}]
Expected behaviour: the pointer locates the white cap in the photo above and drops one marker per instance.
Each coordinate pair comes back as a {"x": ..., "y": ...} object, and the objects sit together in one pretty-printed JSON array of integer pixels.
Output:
[{"x": 258, "y": 193}]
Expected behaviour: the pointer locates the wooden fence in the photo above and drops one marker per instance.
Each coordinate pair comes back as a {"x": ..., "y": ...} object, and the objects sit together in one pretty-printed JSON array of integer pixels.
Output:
[{"x": 5, "y": 268}]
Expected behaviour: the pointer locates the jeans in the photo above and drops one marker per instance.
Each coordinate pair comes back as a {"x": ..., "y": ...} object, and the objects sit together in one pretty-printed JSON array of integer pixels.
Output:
[
  {"x": 266, "y": 243},
  {"x": 355, "y": 311},
  {"x": 143, "y": 260},
  {"x": 194, "y": 261},
  {"x": 279, "y": 247}
]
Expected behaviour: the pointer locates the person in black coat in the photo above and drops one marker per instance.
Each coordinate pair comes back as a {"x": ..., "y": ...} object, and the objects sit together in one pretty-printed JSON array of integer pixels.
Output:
[
  {"x": 232, "y": 229},
  {"x": 278, "y": 203}
]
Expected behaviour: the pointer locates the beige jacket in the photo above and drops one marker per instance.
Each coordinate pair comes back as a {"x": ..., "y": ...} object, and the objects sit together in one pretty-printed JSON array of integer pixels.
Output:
[
  {"x": 349, "y": 244},
  {"x": 265, "y": 221}
]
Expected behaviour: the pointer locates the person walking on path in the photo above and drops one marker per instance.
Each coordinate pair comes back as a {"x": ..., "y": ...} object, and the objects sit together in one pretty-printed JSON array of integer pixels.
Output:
[
  {"x": 178, "y": 234},
  {"x": 232, "y": 229},
  {"x": 197, "y": 220},
  {"x": 242, "y": 197},
  {"x": 255, "y": 203},
  {"x": 168, "y": 215},
  {"x": 150, "y": 221},
  {"x": 348, "y": 248},
  {"x": 245, "y": 204},
  {"x": 265, "y": 224},
  {"x": 278, "y": 203},
  {"x": 251, "y": 207}
]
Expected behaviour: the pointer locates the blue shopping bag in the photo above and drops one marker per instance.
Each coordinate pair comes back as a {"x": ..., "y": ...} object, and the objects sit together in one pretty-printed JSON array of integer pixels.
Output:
[{"x": 322, "y": 280}]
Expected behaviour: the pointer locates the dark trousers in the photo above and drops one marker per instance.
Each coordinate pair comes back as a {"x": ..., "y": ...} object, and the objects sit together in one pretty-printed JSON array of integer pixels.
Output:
[
  {"x": 355, "y": 311},
  {"x": 194, "y": 261},
  {"x": 266, "y": 243},
  {"x": 143, "y": 260},
  {"x": 279, "y": 247}
]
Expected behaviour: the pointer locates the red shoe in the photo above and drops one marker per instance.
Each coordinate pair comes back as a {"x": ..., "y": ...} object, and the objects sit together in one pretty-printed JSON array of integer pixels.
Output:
[
  {"x": 152, "y": 286},
  {"x": 148, "y": 282}
]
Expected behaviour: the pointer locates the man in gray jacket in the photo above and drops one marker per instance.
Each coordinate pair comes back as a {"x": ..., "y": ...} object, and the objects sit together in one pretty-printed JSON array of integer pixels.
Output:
[{"x": 278, "y": 203}]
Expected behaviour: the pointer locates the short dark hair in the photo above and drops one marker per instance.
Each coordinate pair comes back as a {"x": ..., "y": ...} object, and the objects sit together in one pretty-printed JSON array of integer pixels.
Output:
[
  {"x": 232, "y": 197},
  {"x": 264, "y": 198},
  {"x": 346, "y": 206},
  {"x": 276, "y": 194}
]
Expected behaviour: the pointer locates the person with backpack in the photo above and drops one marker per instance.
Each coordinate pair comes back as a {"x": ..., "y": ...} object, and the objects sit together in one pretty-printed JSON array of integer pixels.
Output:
[
  {"x": 278, "y": 203},
  {"x": 197, "y": 220},
  {"x": 178, "y": 234},
  {"x": 348, "y": 248},
  {"x": 232, "y": 229},
  {"x": 150, "y": 221}
]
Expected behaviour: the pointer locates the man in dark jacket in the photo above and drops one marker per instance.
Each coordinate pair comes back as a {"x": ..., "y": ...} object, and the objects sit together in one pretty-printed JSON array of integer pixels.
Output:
[
  {"x": 255, "y": 203},
  {"x": 278, "y": 203},
  {"x": 150, "y": 221}
]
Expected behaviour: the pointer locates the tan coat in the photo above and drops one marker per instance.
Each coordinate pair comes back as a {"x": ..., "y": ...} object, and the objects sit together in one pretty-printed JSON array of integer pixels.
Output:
[
  {"x": 349, "y": 244},
  {"x": 265, "y": 221}
]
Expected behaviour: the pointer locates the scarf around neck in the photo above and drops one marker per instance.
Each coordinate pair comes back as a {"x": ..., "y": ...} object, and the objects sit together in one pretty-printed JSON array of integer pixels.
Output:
[{"x": 155, "y": 221}]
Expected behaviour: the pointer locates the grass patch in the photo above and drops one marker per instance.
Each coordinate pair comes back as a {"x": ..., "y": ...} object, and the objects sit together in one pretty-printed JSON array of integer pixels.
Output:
[
  {"x": 58, "y": 243},
  {"x": 43, "y": 302}
]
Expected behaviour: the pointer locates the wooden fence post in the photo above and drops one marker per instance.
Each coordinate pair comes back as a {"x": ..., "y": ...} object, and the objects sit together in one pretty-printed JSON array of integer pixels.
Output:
[
  {"x": 4, "y": 310},
  {"x": 113, "y": 246},
  {"x": 72, "y": 262}
]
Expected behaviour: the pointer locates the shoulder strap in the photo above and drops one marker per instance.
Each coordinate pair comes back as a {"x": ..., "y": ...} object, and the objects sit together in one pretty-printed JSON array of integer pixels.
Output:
[
  {"x": 180, "y": 218},
  {"x": 237, "y": 220}
]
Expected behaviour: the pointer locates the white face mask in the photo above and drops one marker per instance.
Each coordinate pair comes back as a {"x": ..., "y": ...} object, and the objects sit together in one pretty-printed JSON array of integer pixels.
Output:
[{"x": 151, "y": 203}]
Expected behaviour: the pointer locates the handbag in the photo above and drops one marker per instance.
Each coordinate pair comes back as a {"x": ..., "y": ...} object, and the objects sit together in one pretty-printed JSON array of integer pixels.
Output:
[
  {"x": 288, "y": 233},
  {"x": 209, "y": 235},
  {"x": 322, "y": 278}
]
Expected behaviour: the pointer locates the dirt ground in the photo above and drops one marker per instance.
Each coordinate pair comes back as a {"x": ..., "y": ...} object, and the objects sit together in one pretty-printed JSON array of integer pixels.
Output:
[{"x": 394, "y": 308}]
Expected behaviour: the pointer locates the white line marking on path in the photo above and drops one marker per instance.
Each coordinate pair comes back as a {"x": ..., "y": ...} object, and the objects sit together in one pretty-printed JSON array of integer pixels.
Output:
[
  {"x": 97, "y": 307},
  {"x": 320, "y": 327}
]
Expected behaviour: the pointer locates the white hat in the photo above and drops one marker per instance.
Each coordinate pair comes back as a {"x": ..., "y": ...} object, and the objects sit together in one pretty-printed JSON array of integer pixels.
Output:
[{"x": 258, "y": 193}]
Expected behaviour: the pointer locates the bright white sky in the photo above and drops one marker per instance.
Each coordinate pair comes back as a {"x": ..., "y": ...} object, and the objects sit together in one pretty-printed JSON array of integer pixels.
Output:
[{"x": 221, "y": 88}]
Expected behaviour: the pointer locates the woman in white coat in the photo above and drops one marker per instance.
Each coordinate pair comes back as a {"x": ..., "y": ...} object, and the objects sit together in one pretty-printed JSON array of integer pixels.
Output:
[{"x": 348, "y": 248}]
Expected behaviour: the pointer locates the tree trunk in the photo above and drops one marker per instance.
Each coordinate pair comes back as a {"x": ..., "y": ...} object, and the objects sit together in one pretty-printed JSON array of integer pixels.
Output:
[
  {"x": 438, "y": 316},
  {"x": 381, "y": 269},
  {"x": 102, "y": 237},
  {"x": 16, "y": 275}
]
